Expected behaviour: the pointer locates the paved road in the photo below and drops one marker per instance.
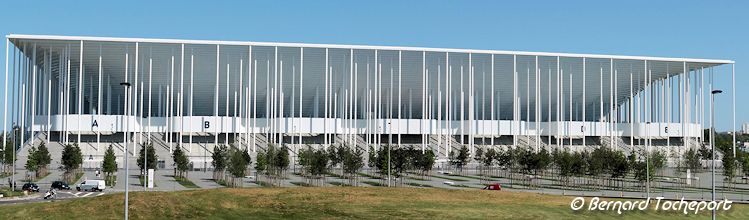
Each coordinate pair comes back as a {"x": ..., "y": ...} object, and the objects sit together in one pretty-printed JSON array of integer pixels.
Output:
[{"x": 164, "y": 181}]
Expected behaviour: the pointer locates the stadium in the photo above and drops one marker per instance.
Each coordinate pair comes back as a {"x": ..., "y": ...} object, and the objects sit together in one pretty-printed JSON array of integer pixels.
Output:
[{"x": 196, "y": 94}]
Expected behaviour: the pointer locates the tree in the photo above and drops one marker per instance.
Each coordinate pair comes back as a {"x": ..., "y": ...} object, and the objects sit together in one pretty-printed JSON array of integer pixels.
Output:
[
  {"x": 246, "y": 155},
  {"x": 745, "y": 165},
  {"x": 352, "y": 162},
  {"x": 658, "y": 160},
  {"x": 219, "y": 156},
  {"x": 334, "y": 154},
  {"x": 643, "y": 169},
  {"x": 261, "y": 163},
  {"x": 459, "y": 159},
  {"x": 181, "y": 163},
  {"x": 319, "y": 165},
  {"x": 382, "y": 161},
  {"x": 8, "y": 157},
  {"x": 478, "y": 156},
  {"x": 372, "y": 159},
  {"x": 619, "y": 165},
  {"x": 44, "y": 159},
  {"x": 109, "y": 165},
  {"x": 237, "y": 165},
  {"x": 543, "y": 159},
  {"x": 400, "y": 159},
  {"x": 31, "y": 162},
  {"x": 565, "y": 162},
  {"x": 303, "y": 158},
  {"x": 71, "y": 161},
  {"x": 427, "y": 162},
  {"x": 706, "y": 153},
  {"x": 692, "y": 160},
  {"x": 149, "y": 158},
  {"x": 281, "y": 161},
  {"x": 729, "y": 167}
]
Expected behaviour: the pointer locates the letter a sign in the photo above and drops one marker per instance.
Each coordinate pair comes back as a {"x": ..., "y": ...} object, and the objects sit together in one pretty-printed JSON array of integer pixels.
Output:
[{"x": 95, "y": 124}]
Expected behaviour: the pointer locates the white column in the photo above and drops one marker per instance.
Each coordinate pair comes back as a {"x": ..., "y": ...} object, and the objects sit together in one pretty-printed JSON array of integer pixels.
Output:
[
  {"x": 583, "y": 129},
  {"x": 226, "y": 108},
  {"x": 5, "y": 92},
  {"x": 215, "y": 100},
  {"x": 733, "y": 106},
  {"x": 301, "y": 88},
  {"x": 98, "y": 105},
  {"x": 49, "y": 95},
  {"x": 399, "y": 96},
  {"x": 631, "y": 112},
  {"x": 33, "y": 95},
  {"x": 181, "y": 95},
  {"x": 558, "y": 104},
  {"x": 254, "y": 105},
  {"x": 137, "y": 58},
  {"x": 325, "y": 124},
  {"x": 169, "y": 104},
  {"x": 514, "y": 101},
  {"x": 80, "y": 91},
  {"x": 192, "y": 63},
  {"x": 150, "y": 74},
  {"x": 124, "y": 106},
  {"x": 423, "y": 101}
]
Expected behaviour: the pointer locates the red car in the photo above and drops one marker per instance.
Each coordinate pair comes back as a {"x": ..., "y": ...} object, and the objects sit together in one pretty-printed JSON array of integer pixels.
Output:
[{"x": 494, "y": 186}]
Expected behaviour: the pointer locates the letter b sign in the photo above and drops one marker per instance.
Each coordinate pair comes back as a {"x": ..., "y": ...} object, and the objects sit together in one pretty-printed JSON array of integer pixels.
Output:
[{"x": 206, "y": 124}]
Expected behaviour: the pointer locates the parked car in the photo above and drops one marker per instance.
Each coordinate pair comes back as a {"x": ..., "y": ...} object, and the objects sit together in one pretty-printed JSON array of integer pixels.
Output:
[
  {"x": 494, "y": 186},
  {"x": 60, "y": 185},
  {"x": 91, "y": 185},
  {"x": 32, "y": 187}
]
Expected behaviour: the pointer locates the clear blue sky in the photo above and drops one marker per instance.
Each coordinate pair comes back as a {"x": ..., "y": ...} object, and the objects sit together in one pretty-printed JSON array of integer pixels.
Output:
[{"x": 694, "y": 29}]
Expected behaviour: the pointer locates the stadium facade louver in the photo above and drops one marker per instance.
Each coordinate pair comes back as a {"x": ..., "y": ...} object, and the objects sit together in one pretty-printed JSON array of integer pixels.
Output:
[{"x": 197, "y": 93}]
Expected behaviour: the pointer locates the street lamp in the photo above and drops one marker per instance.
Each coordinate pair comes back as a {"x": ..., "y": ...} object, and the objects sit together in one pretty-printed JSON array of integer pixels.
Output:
[
  {"x": 647, "y": 158},
  {"x": 390, "y": 144},
  {"x": 712, "y": 140},
  {"x": 13, "y": 173},
  {"x": 126, "y": 85}
]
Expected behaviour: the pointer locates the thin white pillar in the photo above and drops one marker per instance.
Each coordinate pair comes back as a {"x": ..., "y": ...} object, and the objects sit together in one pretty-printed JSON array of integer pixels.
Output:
[
  {"x": 399, "y": 96},
  {"x": 301, "y": 88},
  {"x": 583, "y": 129},
  {"x": 80, "y": 92},
  {"x": 226, "y": 108},
  {"x": 215, "y": 97},
  {"x": 181, "y": 95},
  {"x": 33, "y": 95},
  {"x": 150, "y": 74}
]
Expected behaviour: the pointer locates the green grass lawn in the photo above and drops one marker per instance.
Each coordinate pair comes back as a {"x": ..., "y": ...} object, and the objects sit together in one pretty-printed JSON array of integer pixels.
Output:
[
  {"x": 419, "y": 184},
  {"x": 77, "y": 177},
  {"x": 7, "y": 192},
  {"x": 301, "y": 184},
  {"x": 186, "y": 183},
  {"x": 332, "y": 203}
]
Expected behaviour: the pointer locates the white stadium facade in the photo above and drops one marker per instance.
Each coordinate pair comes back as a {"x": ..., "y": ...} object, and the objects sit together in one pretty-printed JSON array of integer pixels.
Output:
[{"x": 195, "y": 94}]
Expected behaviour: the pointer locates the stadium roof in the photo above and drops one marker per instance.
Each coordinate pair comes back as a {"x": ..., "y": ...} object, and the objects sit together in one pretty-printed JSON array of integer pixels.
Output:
[{"x": 709, "y": 62}]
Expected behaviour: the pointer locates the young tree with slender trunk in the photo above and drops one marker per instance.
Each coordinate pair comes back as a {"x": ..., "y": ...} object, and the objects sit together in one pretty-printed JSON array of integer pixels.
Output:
[{"x": 109, "y": 166}]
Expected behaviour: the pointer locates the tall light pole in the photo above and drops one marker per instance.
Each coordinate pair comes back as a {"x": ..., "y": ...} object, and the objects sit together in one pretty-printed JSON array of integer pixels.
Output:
[
  {"x": 712, "y": 141},
  {"x": 13, "y": 173},
  {"x": 647, "y": 158},
  {"x": 126, "y": 85},
  {"x": 390, "y": 144}
]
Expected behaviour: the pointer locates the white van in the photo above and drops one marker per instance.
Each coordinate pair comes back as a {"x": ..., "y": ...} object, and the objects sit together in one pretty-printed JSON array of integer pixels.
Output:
[{"x": 91, "y": 185}]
